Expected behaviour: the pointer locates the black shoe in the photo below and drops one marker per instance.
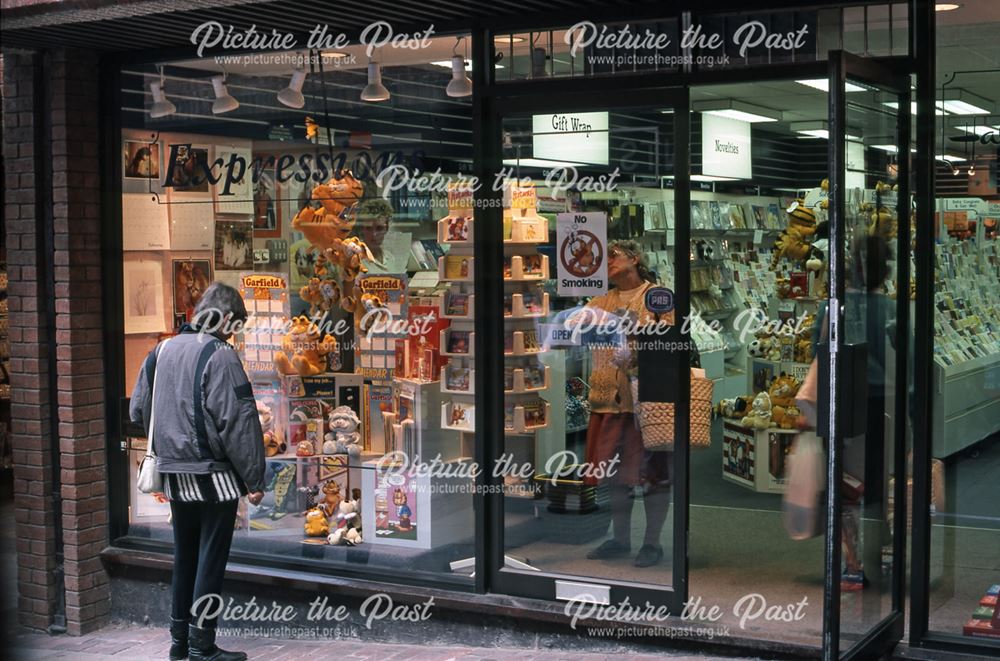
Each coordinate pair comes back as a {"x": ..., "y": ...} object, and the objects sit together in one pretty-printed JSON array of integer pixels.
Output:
[
  {"x": 179, "y": 639},
  {"x": 203, "y": 647},
  {"x": 648, "y": 555},
  {"x": 609, "y": 549}
]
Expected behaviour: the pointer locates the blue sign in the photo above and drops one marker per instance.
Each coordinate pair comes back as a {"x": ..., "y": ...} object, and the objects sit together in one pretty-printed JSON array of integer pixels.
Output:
[{"x": 659, "y": 300}]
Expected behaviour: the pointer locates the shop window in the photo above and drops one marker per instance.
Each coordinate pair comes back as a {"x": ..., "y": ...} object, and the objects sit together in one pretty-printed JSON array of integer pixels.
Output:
[{"x": 263, "y": 173}]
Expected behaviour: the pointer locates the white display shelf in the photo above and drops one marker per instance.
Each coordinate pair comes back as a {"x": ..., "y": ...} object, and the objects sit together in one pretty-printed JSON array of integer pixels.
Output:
[
  {"x": 443, "y": 305},
  {"x": 446, "y": 336},
  {"x": 520, "y": 428},
  {"x": 518, "y": 311},
  {"x": 468, "y": 422},
  {"x": 528, "y": 231},
  {"x": 518, "y": 348},
  {"x": 472, "y": 380},
  {"x": 468, "y": 278},
  {"x": 966, "y": 407},
  {"x": 442, "y": 231},
  {"x": 520, "y": 387},
  {"x": 517, "y": 273}
]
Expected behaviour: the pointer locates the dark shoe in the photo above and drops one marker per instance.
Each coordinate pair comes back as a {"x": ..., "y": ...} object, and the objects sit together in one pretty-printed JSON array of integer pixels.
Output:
[
  {"x": 203, "y": 647},
  {"x": 648, "y": 555},
  {"x": 179, "y": 639},
  {"x": 609, "y": 549}
]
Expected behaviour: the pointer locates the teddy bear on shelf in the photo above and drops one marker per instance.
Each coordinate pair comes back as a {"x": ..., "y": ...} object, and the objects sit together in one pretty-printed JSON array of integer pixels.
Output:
[
  {"x": 304, "y": 349},
  {"x": 343, "y": 437},
  {"x": 782, "y": 393},
  {"x": 759, "y": 416}
]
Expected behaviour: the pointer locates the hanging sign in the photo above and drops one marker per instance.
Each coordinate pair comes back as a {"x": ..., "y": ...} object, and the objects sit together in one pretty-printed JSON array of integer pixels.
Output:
[
  {"x": 578, "y": 137},
  {"x": 725, "y": 147},
  {"x": 582, "y": 244}
]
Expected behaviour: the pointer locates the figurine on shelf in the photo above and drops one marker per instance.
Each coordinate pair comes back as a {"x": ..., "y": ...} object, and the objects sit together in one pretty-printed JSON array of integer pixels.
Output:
[
  {"x": 348, "y": 523},
  {"x": 759, "y": 416},
  {"x": 316, "y": 524},
  {"x": 304, "y": 448},
  {"x": 331, "y": 499},
  {"x": 343, "y": 437},
  {"x": 381, "y": 514}
]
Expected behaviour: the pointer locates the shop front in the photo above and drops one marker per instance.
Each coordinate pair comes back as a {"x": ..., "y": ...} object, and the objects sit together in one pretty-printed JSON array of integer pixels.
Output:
[{"x": 536, "y": 305}]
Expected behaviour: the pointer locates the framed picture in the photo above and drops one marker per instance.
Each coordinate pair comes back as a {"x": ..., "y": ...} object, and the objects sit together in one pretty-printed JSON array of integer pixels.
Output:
[
  {"x": 141, "y": 167},
  {"x": 189, "y": 169},
  {"x": 266, "y": 206},
  {"x": 144, "y": 311},
  {"x": 191, "y": 277},
  {"x": 233, "y": 245}
]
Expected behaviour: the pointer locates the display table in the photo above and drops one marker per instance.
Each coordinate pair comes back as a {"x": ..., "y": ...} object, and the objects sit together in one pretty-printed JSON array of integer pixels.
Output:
[{"x": 755, "y": 458}]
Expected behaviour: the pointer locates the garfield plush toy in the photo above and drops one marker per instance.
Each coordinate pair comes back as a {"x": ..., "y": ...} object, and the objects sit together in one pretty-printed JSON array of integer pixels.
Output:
[
  {"x": 882, "y": 223},
  {"x": 304, "y": 350},
  {"x": 785, "y": 417},
  {"x": 782, "y": 390},
  {"x": 793, "y": 242},
  {"x": 316, "y": 524},
  {"x": 321, "y": 295}
]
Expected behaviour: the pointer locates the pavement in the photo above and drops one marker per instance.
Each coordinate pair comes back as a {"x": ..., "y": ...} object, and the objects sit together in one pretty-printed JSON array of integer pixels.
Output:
[{"x": 137, "y": 643}]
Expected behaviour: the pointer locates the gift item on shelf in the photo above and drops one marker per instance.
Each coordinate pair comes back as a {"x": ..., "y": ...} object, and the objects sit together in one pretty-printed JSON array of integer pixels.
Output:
[{"x": 304, "y": 349}]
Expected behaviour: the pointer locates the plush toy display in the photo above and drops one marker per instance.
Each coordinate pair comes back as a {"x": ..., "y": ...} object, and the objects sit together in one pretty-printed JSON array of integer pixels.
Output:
[
  {"x": 316, "y": 524},
  {"x": 782, "y": 390},
  {"x": 735, "y": 407},
  {"x": 347, "y": 528},
  {"x": 765, "y": 346},
  {"x": 759, "y": 416},
  {"x": 304, "y": 350},
  {"x": 273, "y": 444},
  {"x": 331, "y": 499},
  {"x": 321, "y": 295},
  {"x": 343, "y": 437},
  {"x": 785, "y": 417},
  {"x": 304, "y": 448},
  {"x": 793, "y": 242}
]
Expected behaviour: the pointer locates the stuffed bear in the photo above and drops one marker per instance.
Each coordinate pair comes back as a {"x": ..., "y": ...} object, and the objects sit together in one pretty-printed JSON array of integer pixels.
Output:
[
  {"x": 343, "y": 437},
  {"x": 308, "y": 350},
  {"x": 785, "y": 417},
  {"x": 760, "y": 413},
  {"x": 272, "y": 439},
  {"x": 321, "y": 295}
]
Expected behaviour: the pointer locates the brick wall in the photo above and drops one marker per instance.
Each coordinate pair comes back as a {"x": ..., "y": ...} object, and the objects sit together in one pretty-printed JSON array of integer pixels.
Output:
[{"x": 71, "y": 122}]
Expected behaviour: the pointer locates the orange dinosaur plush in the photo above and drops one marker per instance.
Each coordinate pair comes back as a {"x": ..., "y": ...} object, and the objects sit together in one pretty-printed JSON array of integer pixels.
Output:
[{"x": 304, "y": 350}]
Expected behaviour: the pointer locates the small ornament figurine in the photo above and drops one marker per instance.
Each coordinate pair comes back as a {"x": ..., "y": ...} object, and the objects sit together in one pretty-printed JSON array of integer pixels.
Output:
[
  {"x": 343, "y": 437},
  {"x": 402, "y": 511}
]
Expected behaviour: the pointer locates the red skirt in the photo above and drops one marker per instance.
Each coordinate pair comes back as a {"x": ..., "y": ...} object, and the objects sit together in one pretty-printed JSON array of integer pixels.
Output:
[{"x": 611, "y": 435}]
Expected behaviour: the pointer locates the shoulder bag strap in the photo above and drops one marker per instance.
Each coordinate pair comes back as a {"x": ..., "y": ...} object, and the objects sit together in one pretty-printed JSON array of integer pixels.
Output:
[{"x": 152, "y": 398}]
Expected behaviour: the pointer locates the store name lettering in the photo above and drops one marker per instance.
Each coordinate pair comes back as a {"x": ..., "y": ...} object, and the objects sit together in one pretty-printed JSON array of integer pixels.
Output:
[
  {"x": 727, "y": 147},
  {"x": 751, "y": 34},
  {"x": 380, "y": 34},
  {"x": 283, "y": 168}
]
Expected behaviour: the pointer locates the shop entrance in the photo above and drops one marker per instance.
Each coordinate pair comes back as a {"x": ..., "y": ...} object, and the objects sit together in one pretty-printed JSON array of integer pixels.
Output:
[{"x": 745, "y": 201}]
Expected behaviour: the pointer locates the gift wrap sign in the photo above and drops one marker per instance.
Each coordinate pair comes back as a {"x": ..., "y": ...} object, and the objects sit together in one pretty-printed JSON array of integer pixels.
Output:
[
  {"x": 266, "y": 298},
  {"x": 582, "y": 242}
]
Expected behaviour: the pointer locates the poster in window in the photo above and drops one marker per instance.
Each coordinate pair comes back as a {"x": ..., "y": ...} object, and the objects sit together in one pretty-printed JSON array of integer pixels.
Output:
[
  {"x": 187, "y": 171},
  {"x": 144, "y": 312},
  {"x": 141, "y": 166},
  {"x": 234, "y": 195},
  {"x": 266, "y": 202}
]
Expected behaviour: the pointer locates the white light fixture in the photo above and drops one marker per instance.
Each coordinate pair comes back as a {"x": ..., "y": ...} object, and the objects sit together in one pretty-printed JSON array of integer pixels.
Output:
[
  {"x": 291, "y": 96},
  {"x": 961, "y": 102},
  {"x": 539, "y": 163},
  {"x": 374, "y": 90},
  {"x": 913, "y": 108},
  {"x": 507, "y": 39},
  {"x": 733, "y": 109},
  {"x": 823, "y": 84},
  {"x": 950, "y": 158},
  {"x": 978, "y": 130},
  {"x": 946, "y": 6},
  {"x": 703, "y": 177},
  {"x": 892, "y": 149},
  {"x": 161, "y": 105},
  {"x": 223, "y": 101},
  {"x": 459, "y": 85},
  {"x": 817, "y": 129}
]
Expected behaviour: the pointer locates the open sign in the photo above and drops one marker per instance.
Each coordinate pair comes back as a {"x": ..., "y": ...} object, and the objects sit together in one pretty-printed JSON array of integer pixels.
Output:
[{"x": 659, "y": 300}]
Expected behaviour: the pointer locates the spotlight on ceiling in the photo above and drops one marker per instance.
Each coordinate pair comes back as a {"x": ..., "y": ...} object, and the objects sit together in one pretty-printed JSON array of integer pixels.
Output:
[
  {"x": 162, "y": 106},
  {"x": 459, "y": 85},
  {"x": 374, "y": 90},
  {"x": 223, "y": 101},
  {"x": 291, "y": 96}
]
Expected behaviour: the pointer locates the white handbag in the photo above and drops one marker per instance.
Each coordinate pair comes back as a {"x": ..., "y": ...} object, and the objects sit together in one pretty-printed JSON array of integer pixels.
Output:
[{"x": 151, "y": 480}]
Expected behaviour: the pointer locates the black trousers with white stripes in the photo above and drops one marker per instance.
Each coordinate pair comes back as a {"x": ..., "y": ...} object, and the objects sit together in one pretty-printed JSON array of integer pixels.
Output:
[{"x": 203, "y": 533}]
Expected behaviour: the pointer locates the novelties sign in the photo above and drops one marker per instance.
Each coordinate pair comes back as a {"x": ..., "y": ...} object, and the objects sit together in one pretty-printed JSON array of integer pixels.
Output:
[
  {"x": 582, "y": 244},
  {"x": 725, "y": 147}
]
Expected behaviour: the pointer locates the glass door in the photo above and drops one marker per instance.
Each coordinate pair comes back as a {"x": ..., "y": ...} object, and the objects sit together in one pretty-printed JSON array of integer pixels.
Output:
[
  {"x": 865, "y": 332},
  {"x": 595, "y": 200}
]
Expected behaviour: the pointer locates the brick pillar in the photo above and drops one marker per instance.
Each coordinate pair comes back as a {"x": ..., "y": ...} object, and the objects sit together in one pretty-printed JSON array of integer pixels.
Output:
[
  {"x": 79, "y": 334},
  {"x": 30, "y": 398},
  {"x": 70, "y": 124}
]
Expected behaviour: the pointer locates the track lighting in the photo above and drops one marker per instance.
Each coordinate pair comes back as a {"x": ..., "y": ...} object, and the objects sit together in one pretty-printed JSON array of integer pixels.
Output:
[
  {"x": 223, "y": 101},
  {"x": 459, "y": 85},
  {"x": 291, "y": 96},
  {"x": 162, "y": 107},
  {"x": 374, "y": 90}
]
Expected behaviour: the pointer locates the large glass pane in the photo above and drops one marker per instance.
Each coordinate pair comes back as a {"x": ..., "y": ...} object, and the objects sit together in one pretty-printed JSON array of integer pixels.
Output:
[
  {"x": 288, "y": 179},
  {"x": 588, "y": 229}
]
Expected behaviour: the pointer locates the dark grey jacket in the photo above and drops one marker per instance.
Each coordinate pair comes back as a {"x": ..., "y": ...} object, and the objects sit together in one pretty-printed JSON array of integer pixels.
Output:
[{"x": 203, "y": 424}]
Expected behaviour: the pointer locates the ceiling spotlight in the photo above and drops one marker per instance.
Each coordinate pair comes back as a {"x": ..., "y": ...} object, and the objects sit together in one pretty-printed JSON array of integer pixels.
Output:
[
  {"x": 946, "y": 6},
  {"x": 732, "y": 109},
  {"x": 374, "y": 90},
  {"x": 161, "y": 105},
  {"x": 291, "y": 96},
  {"x": 223, "y": 101},
  {"x": 459, "y": 85}
]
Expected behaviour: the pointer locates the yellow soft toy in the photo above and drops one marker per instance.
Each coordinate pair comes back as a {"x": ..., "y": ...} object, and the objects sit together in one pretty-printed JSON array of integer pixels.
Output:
[
  {"x": 304, "y": 349},
  {"x": 782, "y": 390},
  {"x": 793, "y": 242},
  {"x": 882, "y": 223},
  {"x": 316, "y": 524}
]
